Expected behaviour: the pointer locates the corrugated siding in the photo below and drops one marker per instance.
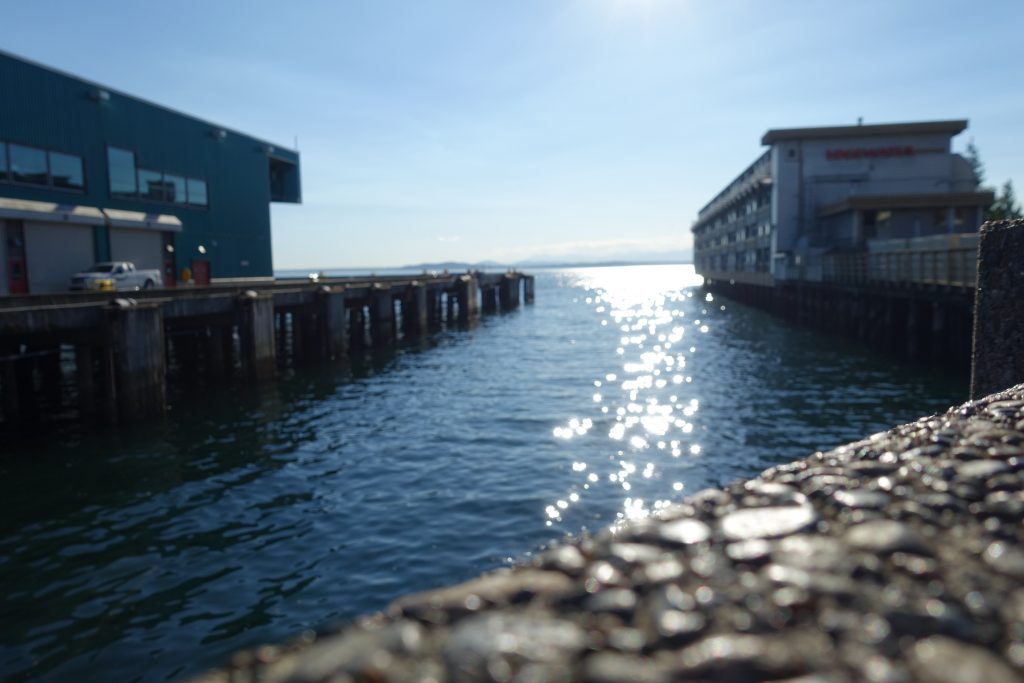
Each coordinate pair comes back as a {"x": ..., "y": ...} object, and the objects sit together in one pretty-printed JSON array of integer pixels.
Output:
[{"x": 48, "y": 109}]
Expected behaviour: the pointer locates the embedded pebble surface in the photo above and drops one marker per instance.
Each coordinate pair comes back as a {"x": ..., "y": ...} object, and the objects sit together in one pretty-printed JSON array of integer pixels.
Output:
[{"x": 898, "y": 558}]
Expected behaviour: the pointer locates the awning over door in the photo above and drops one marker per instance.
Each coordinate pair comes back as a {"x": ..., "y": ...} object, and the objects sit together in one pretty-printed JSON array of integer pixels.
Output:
[
  {"x": 49, "y": 212},
  {"x": 118, "y": 218}
]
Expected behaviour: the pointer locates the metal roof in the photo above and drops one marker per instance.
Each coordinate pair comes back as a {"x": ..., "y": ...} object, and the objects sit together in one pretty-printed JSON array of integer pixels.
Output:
[{"x": 952, "y": 127}]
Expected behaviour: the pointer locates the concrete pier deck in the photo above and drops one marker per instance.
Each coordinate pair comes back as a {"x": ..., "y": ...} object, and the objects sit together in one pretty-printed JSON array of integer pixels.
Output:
[{"x": 897, "y": 558}]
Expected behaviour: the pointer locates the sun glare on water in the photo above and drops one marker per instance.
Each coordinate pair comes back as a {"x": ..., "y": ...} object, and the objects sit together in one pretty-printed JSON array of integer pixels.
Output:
[{"x": 640, "y": 422}]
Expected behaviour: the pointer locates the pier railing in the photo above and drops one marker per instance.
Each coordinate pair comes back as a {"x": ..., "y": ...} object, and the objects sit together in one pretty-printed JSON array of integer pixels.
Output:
[{"x": 902, "y": 262}]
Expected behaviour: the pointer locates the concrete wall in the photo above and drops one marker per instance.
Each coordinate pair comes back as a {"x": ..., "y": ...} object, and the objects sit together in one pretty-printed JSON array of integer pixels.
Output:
[{"x": 786, "y": 172}]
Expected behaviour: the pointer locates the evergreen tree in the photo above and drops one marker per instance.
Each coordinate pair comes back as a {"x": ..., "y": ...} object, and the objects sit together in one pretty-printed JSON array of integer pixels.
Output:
[
  {"x": 974, "y": 159},
  {"x": 1005, "y": 205}
]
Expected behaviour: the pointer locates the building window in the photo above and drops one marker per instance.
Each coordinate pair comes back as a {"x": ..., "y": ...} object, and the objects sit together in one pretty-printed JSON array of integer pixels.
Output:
[
  {"x": 121, "y": 168},
  {"x": 36, "y": 166},
  {"x": 66, "y": 171},
  {"x": 151, "y": 185},
  {"x": 174, "y": 188},
  {"x": 197, "y": 192},
  {"x": 127, "y": 180},
  {"x": 28, "y": 165}
]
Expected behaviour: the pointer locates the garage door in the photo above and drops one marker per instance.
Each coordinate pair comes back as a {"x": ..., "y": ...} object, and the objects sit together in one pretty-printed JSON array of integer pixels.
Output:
[
  {"x": 144, "y": 248},
  {"x": 54, "y": 252}
]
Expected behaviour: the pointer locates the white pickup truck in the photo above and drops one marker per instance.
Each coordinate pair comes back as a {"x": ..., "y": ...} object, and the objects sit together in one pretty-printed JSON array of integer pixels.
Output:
[{"x": 116, "y": 275}]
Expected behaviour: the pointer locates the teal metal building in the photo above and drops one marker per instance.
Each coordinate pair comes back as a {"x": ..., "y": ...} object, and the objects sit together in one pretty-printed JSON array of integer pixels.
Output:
[{"x": 91, "y": 174}]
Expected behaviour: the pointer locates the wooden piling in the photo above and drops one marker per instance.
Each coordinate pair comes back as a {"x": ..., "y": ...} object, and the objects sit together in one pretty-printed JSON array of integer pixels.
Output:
[
  {"x": 333, "y": 323},
  {"x": 136, "y": 333},
  {"x": 414, "y": 310},
  {"x": 489, "y": 299},
  {"x": 466, "y": 291},
  {"x": 528, "y": 284},
  {"x": 433, "y": 307},
  {"x": 255, "y": 313},
  {"x": 382, "y": 315},
  {"x": 508, "y": 291}
]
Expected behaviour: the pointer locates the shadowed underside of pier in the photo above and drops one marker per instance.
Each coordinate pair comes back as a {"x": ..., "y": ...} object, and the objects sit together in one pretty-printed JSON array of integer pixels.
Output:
[{"x": 896, "y": 558}]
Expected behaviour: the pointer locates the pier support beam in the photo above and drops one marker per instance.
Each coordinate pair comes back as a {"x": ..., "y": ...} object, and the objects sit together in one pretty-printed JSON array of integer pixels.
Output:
[
  {"x": 528, "y": 281},
  {"x": 256, "y": 333},
  {"x": 136, "y": 335},
  {"x": 997, "y": 361},
  {"x": 85, "y": 377},
  {"x": 382, "y": 315},
  {"x": 433, "y": 308},
  {"x": 466, "y": 291},
  {"x": 488, "y": 295},
  {"x": 414, "y": 310},
  {"x": 357, "y": 327},
  {"x": 509, "y": 291},
  {"x": 218, "y": 353},
  {"x": 333, "y": 332}
]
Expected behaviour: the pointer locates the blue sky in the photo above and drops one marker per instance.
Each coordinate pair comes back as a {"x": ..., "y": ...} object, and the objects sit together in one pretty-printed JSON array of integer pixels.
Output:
[{"x": 568, "y": 129}]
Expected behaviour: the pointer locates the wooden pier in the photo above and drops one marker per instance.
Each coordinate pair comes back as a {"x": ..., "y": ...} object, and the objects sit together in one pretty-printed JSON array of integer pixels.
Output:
[
  {"x": 120, "y": 346},
  {"x": 912, "y": 299}
]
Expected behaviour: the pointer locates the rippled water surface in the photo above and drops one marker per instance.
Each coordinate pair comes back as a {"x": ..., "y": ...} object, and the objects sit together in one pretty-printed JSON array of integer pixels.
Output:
[{"x": 251, "y": 515}]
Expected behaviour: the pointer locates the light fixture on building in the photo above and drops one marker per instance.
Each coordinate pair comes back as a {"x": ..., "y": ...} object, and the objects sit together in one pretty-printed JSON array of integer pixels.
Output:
[
  {"x": 99, "y": 95},
  {"x": 201, "y": 249},
  {"x": 268, "y": 149},
  {"x": 170, "y": 248},
  {"x": 219, "y": 133}
]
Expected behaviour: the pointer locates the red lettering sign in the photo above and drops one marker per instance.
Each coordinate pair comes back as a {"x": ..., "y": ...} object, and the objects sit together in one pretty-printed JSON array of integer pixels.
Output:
[{"x": 870, "y": 152}]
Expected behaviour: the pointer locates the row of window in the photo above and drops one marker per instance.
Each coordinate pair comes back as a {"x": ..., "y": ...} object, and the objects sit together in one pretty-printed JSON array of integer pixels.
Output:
[
  {"x": 745, "y": 233},
  {"x": 127, "y": 180},
  {"x": 751, "y": 261},
  {"x": 35, "y": 166},
  {"x": 62, "y": 171}
]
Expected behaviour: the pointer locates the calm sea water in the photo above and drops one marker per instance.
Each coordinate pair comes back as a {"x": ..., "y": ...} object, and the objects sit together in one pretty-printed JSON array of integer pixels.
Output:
[{"x": 252, "y": 515}]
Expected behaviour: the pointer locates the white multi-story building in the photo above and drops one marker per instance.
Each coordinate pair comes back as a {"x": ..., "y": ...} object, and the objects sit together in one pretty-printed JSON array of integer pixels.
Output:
[{"x": 839, "y": 189}]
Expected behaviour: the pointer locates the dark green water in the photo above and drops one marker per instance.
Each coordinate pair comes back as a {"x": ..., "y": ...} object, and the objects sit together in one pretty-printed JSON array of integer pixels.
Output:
[{"x": 252, "y": 515}]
